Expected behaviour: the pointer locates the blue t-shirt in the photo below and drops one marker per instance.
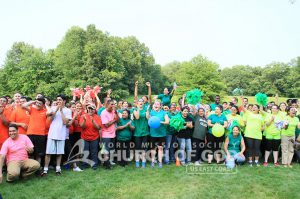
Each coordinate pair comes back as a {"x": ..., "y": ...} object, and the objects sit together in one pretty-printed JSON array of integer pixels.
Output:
[
  {"x": 216, "y": 119},
  {"x": 161, "y": 131}
]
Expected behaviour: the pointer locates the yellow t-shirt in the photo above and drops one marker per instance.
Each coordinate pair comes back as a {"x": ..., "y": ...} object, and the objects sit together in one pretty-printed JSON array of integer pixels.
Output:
[{"x": 254, "y": 125}]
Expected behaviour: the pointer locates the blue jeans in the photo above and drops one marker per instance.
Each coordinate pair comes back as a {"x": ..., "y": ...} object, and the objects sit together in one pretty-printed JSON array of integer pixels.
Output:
[
  {"x": 169, "y": 148},
  {"x": 185, "y": 145},
  {"x": 92, "y": 148}
]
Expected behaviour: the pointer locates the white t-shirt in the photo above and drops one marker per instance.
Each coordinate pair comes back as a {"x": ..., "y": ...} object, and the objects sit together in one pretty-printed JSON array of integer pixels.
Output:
[{"x": 58, "y": 131}]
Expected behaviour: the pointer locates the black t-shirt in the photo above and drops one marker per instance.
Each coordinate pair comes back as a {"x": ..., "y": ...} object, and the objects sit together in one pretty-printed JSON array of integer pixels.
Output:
[{"x": 186, "y": 133}]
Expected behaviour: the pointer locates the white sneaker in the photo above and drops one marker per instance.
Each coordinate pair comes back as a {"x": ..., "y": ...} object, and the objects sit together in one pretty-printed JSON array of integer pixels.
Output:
[
  {"x": 197, "y": 163},
  {"x": 112, "y": 163},
  {"x": 77, "y": 169}
]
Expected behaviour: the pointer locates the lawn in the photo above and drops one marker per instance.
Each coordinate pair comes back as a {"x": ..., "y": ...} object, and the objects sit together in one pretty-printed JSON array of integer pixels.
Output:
[{"x": 168, "y": 182}]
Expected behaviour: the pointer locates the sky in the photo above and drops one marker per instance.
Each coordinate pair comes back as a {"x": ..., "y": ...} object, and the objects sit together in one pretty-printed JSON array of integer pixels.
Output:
[{"x": 228, "y": 32}]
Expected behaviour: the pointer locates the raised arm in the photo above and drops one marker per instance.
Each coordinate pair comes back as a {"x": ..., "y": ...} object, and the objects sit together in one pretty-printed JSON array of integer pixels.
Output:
[
  {"x": 136, "y": 90},
  {"x": 149, "y": 92}
]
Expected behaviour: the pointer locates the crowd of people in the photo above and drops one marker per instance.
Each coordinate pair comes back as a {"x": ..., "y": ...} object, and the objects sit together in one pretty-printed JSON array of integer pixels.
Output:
[{"x": 85, "y": 132}]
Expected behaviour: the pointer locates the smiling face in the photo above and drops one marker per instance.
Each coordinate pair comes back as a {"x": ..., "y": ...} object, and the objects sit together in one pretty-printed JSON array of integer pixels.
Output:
[
  {"x": 166, "y": 91},
  {"x": 157, "y": 106},
  {"x": 185, "y": 112},
  {"x": 22, "y": 101},
  {"x": 79, "y": 107},
  {"x": 201, "y": 112},
  {"x": 255, "y": 108},
  {"x": 60, "y": 101},
  {"x": 218, "y": 111},
  {"x": 235, "y": 131},
  {"x": 13, "y": 132},
  {"x": 17, "y": 98},
  {"x": 282, "y": 107},
  {"x": 274, "y": 109},
  {"x": 125, "y": 114},
  {"x": 233, "y": 110}
]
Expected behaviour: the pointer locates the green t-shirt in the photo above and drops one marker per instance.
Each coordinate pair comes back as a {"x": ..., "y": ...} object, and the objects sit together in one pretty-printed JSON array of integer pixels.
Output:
[
  {"x": 100, "y": 110},
  {"x": 226, "y": 112},
  {"x": 165, "y": 99},
  {"x": 254, "y": 124},
  {"x": 124, "y": 134},
  {"x": 141, "y": 124},
  {"x": 161, "y": 131},
  {"x": 291, "y": 130},
  {"x": 234, "y": 144},
  {"x": 213, "y": 106}
]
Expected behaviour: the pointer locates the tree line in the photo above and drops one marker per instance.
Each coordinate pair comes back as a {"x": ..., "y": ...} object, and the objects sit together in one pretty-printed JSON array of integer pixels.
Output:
[{"x": 92, "y": 57}]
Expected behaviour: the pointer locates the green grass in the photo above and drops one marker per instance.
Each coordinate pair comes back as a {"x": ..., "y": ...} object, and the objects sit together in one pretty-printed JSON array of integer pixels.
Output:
[{"x": 168, "y": 182}]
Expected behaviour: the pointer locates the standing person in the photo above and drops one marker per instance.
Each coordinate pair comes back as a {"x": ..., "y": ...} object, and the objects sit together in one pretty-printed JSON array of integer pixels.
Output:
[
  {"x": 253, "y": 132},
  {"x": 245, "y": 103},
  {"x": 36, "y": 130},
  {"x": 234, "y": 146},
  {"x": 226, "y": 109},
  {"x": 146, "y": 98},
  {"x": 141, "y": 133},
  {"x": 184, "y": 137},
  {"x": 15, "y": 150},
  {"x": 199, "y": 134},
  {"x": 291, "y": 123},
  {"x": 109, "y": 118},
  {"x": 216, "y": 103},
  {"x": 272, "y": 133},
  {"x": 166, "y": 97},
  {"x": 90, "y": 123},
  {"x": 124, "y": 133},
  {"x": 214, "y": 143},
  {"x": 282, "y": 109},
  {"x": 20, "y": 116},
  {"x": 4, "y": 120},
  {"x": 170, "y": 137},
  {"x": 158, "y": 135},
  {"x": 60, "y": 117}
]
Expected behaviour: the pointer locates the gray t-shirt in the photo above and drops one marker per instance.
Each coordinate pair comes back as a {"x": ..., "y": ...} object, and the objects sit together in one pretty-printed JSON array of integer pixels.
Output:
[{"x": 200, "y": 129}]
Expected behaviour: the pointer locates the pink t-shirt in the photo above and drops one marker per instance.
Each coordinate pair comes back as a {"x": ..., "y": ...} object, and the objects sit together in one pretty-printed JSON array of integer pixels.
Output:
[
  {"x": 107, "y": 117},
  {"x": 14, "y": 150}
]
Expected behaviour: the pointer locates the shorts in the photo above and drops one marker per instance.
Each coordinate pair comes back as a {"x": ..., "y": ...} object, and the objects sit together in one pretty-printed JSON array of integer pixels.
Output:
[
  {"x": 39, "y": 142},
  {"x": 141, "y": 143},
  {"x": 157, "y": 141},
  {"x": 55, "y": 147}
]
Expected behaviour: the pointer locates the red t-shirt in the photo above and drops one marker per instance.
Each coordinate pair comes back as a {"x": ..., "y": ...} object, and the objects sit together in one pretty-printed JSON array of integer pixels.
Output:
[{"x": 90, "y": 133}]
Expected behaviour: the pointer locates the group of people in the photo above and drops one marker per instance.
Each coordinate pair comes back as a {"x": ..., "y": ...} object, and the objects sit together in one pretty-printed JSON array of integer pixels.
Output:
[{"x": 95, "y": 133}]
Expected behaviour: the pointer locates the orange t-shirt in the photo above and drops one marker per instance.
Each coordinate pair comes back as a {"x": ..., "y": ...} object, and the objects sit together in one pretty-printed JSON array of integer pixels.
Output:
[
  {"x": 3, "y": 128},
  {"x": 20, "y": 115},
  {"x": 37, "y": 122}
]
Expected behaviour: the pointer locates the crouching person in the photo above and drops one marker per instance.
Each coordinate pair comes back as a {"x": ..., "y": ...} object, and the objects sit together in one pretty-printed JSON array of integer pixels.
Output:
[
  {"x": 234, "y": 147},
  {"x": 15, "y": 149}
]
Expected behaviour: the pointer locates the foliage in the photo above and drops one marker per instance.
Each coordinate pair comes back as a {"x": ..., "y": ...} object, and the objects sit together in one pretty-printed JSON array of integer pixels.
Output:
[
  {"x": 83, "y": 57},
  {"x": 281, "y": 78}
]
